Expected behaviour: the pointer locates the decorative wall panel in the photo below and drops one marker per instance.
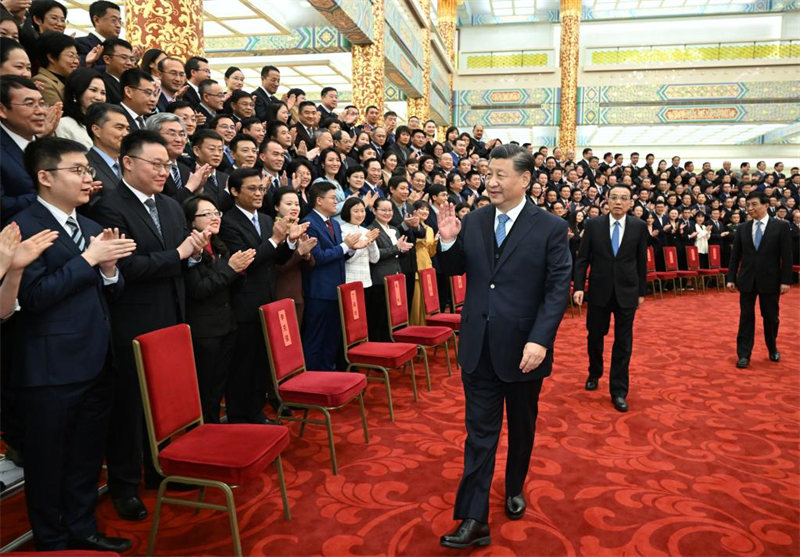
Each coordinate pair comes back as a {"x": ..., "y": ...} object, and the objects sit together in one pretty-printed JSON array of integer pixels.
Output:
[
  {"x": 302, "y": 40},
  {"x": 353, "y": 17}
]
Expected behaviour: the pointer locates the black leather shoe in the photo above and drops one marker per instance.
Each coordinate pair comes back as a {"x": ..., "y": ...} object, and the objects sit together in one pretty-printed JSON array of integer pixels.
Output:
[
  {"x": 286, "y": 412},
  {"x": 591, "y": 384},
  {"x": 262, "y": 420},
  {"x": 470, "y": 532},
  {"x": 101, "y": 542},
  {"x": 130, "y": 508},
  {"x": 515, "y": 507},
  {"x": 775, "y": 356},
  {"x": 743, "y": 363},
  {"x": 619, "y": 403}
]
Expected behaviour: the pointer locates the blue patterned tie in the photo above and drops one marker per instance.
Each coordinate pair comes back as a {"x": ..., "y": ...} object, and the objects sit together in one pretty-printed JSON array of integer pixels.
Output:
[
  {"x": 500, "y": 231},
  {"x": 615, "y": 238},
  {"x": 759, "y": 234}
]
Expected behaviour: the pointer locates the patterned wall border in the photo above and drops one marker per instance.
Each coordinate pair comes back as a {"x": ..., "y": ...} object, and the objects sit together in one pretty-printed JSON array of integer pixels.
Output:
[
  {"x": 440, "y": 108},
  {"x": 440, "y": 78},
  {"x": 401, "y": 69},
  {"x": 301, "y": 40},
  {"x": 353, "y": 17},
  {"x": 407, "y": 33}
]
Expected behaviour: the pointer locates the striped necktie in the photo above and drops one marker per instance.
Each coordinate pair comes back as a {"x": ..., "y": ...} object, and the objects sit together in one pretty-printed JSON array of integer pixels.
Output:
[
  {"x": 176, "y": 175},
  {"x": 76, "y": 234}
]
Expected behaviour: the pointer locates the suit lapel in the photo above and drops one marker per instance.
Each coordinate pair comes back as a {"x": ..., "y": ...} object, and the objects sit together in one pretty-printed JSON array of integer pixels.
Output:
[
  {"x": 521, "y": 229},
  {"x": 137, "y": 208},
  {"x": 49, "y": 222},
  {"x": 487, "y": 227}
]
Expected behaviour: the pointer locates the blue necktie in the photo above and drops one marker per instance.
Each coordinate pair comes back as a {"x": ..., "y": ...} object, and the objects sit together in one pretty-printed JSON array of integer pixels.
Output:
[
  {"x": 615, "y": 238},
  {"x": 500, "y": 231},
  {"x": 255, "y": 223},
  {"x": 759, "y": 234}
]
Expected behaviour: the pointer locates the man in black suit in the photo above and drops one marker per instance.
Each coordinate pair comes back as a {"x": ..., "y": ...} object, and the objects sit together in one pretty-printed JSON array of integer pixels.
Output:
[
  {"x": 118, "y": 57},
  {"x": 64, "y": 346},
  {"x": 401, "y": 147},
  {"x": 197, "y": 70},
  {"x": 106, "y": 124},
  {"x": 208, "y": 148},
  {"x": 615, "y": 246},
  {"x": 154, "y": 298},
  {"x": 139, "y": 96},
  {"x": 173, "y": 79},
  {"x": 211, "y": 99},
  {"x": 107, "y": 22},
  {"x": 304, "y": 129},
  {"x": 763, "y": 248},
  {"x": 517, "y": 261},
  {"x": 182, "y": 183},
  {"x": 245, "y": 227},
  {"x": 407, "y": 222},
  {"x": 265, "y": 95},
  {"x": 329, "y": 100}
]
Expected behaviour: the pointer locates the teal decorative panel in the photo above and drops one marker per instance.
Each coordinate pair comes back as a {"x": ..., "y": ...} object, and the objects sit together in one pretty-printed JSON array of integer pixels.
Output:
[
  {"x": 401, "y": 69},
  {"x": 507, "y": 107},
  {"x": 407, "y": 33},
  {"x": 353, "y": 17}
]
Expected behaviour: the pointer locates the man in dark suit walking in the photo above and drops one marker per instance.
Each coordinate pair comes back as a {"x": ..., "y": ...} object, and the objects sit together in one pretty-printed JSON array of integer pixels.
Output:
[
  {"x": 763, "y": 248},
  {"x": 154, "y": 298},
  {"x": 615, "y": 246},
  {"x": 518, "y": 265},
  {"x": 63, "y": 357}
]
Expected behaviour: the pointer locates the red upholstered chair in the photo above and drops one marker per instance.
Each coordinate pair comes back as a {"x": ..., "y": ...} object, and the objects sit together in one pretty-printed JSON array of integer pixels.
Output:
[
  {"x": 207, "y": 455},
  {"x": 430, "y": 299},
  {"x": 714, "y": 266},
  {"x": 299, "y": 388},
  {"x": 692, "y": 270},
  {"x": 671, "y": 267},
  {"x": 424, "y": 336},
  {"x": 458, "y": 289},
  {"x": 652, "y": 275},
  {"x": 360, "y": 352}
]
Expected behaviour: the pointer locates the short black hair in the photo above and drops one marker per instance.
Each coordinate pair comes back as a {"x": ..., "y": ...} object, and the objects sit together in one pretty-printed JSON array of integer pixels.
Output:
[
  {"x": 110, "y": 44},
  {"x": 347, "y": 208},
  {"x": 389, "y": 113},
  {"x": 97, "y": 115},
  {"x": 204, "y": 85},
  {"x": 266, "y": 69},
  {"x": 274, "y": 127},
  {"x": 304, "y": 104},
  {"x": 762, "y": 197},
  {"x": 133, "y": 77},
  {"x": 318, "y": 189},
  {"x": 395, "y": 181},
  {"x": 46, "y": 152},
  {"x": 520, "y": 157},
  {"x": 247, "y": 122},
  {"x": 192, "y": 65},
  {"x": 326, "y": 90},
  {"x": 52, "y": 44},
  {"x": 418, "y": 131},
  {"x": 230, "y": 71},
  {"x": 239, "y": 138},
  {"x": 99, "y": 9},
  {"x": 239, "y": 94},
  {"x": 280, "y": 193},
  {"x": 238, "y": 176},
  {"x": 205, "y": 133},
  {"x": 133, "y": 142},
  {"x": 212, "y": 124},
  {"x": 402, "y": 129},
  {"x": 9, "y": 82},
  {"x": 353, "y": 169}
]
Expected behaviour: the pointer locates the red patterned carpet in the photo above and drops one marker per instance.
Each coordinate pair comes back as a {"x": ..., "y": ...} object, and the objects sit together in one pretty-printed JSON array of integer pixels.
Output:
[{"x": 704, "y": 464}]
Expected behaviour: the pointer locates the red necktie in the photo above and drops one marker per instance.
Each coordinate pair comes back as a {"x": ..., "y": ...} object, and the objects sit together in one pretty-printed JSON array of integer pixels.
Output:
[{"x": 330, "y": 229}]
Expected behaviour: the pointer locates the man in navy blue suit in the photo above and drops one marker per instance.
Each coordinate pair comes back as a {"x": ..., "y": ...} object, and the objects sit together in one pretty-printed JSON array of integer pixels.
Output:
[
  {"x": 22, "y": 116},
  {"x": 518, "y": 266},
  {"x": 322, "y": 329},
  {"x": 63, "y": 362}
]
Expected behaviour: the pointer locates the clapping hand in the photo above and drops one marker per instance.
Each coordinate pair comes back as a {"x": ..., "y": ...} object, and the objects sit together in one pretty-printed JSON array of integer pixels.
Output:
[
  {"x": 241, "y": 260},
  {"x": 93, "y": 56},
  {"x": 449, "y": 224},
  {"x": 412, "y": 221},
  {"x": 403, "y": 245},
  {"x": 305, "y": 244},
  {"x": 352, "y": 240},
  {"x": 296, "y": 230},
  {"x": 199, "y": 177},
  {"x": 52, "y": 119},
  {"x": 107, "y": 248},
  {"x": 10, "y": 238}
]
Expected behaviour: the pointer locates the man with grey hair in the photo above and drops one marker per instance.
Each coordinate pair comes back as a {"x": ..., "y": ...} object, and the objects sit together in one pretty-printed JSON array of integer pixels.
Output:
[
  {"x": 517, "y": 288},
  {"x": 106, "y": 124},
  {"x": 181, "y": 183}
]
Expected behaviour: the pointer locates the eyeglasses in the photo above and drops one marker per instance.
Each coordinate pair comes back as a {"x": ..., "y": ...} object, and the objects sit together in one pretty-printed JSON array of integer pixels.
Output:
[
  {"x": 115, "y": 20},
  {"x": 208, "y": 214},
  {"x": 78, "y": 169},
  {"x": 218, "y": 95},
  {"x": 256, "y": 189},
  {"x": 158, "y": 166},
  {"x": 148, "y": 92},
  {"x": 32, "y": 104},
  {"x": 226, "y": 127},
  {"x": 72, "y": 55},
  {"x": 173, "y": 134},
  {"x": 126, "y": 57}
]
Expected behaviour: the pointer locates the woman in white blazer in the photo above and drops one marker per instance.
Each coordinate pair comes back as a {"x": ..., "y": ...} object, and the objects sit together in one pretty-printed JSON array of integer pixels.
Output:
[
  {"x": 357, "y": 267},
  {"x": 84, "y": 87}
]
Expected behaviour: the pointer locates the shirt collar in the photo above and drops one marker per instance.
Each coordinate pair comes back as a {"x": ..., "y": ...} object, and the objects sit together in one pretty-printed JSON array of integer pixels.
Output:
[
  {"x": 108, "y": 160},
  {"x": 612, "y": 220},
  {"x": 513, "y": 213},
  {"x": 139, "y": 195},
  {"x": 130, "y": 111},
  {"x": 764, "y": 220},
  {"x": 247, "y": 213},
  {"x": 60, "y": 216},
  {"x": 18, "y": 139},
  {"x": 323, "y": 217}
]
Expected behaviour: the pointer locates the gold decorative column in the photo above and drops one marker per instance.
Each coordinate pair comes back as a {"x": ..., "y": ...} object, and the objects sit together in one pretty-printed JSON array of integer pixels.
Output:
[
  {"x": 175, "y": 26},
  {"x": 447, "y": 15},
  {"x": 570, "y": 24},
  {"x": 420, "y": 107},
  {"x": 369, "y": 76}
]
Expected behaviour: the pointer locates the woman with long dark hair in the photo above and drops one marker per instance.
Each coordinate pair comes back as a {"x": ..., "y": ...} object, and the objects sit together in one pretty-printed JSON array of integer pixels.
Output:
[{"x": 84, "y": 88}]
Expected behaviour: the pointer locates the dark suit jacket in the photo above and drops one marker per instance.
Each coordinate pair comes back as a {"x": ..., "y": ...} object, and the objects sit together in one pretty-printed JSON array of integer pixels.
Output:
[
  {"x": 209, "y": 310},
  {"x": 154, "y": 295},
  {"x": 113, "y": 89},
  {"x": 517, "y": 300},
  {"x": 408, "y": 260},
  {"x": 302, "y": 135},
  {"x": 257, "y": 286},
  {"x": 65, "y": 327},
  {"x": 170, "y": 187},
  {"x": 18, "y": 188},
  {"x": 624, "y": 275},
  {"x": 192, "y": 97},
  {"x": 401, "y": 152},
  {"x": 85, "y": 44},
  {"x": 162, "y": 104},
  {"x": 389, "y": 262},
  {"x": 261, "y": 99},
  {"x": 321, "y": 281},
  {"x": 762, "y": 271},
  {"x": 104, "y": 173}
]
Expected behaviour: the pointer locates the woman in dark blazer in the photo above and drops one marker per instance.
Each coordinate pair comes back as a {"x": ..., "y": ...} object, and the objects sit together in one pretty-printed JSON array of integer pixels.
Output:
[
  {"x": 208, "y": 304},
  {"x": 391, "y": 243}
]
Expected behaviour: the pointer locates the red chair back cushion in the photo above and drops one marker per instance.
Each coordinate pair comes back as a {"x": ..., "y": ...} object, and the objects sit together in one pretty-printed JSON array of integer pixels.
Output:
[
  {"x": 670, "y": 258},
  {"x": 397, "y": 299},
  {"x": 651, "y": 260},
  {"x": 283, "y": 337},
  {"x": 692, "y": 258},
  {"x": 171, "y": 379},
  {"x": 459, "y": 286},
  {"x": 430, "y": 290},
  {"x": 714, "y": 256},
  {"x": 354, "y": 311}
]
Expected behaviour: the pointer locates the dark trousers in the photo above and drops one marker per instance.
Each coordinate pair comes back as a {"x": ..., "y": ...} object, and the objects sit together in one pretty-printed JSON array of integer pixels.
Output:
[
  {"x": 484, "y": 395},
  {"x": 322, "y": 335},
  {"x": 377, "y": 318},
  {"x": 598, "y": 319},
  {"x": 768, "y": 302},
  {"x": 212, "y": 356},
  {"x": 249, "y": 378},
  {"x": 65, "y": 434}
]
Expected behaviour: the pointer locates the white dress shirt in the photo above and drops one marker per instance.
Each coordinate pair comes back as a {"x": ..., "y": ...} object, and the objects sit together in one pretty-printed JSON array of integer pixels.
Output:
[
  {"x": 512, "y": 215},
  {"x": 763, "y": 227},
  {"x": 611, "y": 221}
]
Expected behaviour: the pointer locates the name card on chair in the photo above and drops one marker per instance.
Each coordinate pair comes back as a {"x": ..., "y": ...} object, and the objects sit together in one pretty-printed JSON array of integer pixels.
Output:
[
  {"x": 287, "y": 336},
  {"x": 429, "y": 284},
  {"x": 354, "y": 304},
  {"x": 397, "y": 300}
]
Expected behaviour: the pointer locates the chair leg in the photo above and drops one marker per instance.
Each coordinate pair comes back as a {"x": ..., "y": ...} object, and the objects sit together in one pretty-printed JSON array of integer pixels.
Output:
[
  {"x": 231, "y": 506},
  {"x": 329, "y": 426},
  {"x": 427, "y": 369},
  {"x": 363, "y": 416},
  {"x": 661, "y": 288},
  {"x": 388, "y": 392},
  {"x": 287, "y": 514},
  {"x": 200, "y": 498},
  {"x": 447, "y": 353},
  {"x": 156, "y": 517},
  {"x": 303, "y": 423},
  {"x": 414, "y": 378}
]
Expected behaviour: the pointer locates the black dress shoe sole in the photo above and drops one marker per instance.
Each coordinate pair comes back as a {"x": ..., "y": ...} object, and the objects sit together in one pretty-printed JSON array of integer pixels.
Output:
[
  {"x": 743, "y": 365},
  {"x": 477, "y": 542},
  {"x": 591, "y": 387},
  {"x": 515, "y": 516}
]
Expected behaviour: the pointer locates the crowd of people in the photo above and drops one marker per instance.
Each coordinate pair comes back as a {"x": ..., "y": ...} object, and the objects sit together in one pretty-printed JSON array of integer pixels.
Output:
[{"x": 138, "y": 193}]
